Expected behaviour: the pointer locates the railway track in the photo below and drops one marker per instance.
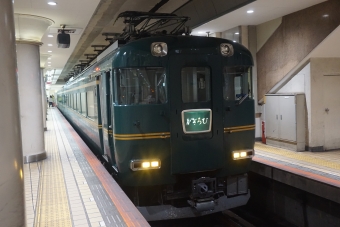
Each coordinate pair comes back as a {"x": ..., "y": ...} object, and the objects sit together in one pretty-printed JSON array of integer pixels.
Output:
[{"x": 224, "y": 219}]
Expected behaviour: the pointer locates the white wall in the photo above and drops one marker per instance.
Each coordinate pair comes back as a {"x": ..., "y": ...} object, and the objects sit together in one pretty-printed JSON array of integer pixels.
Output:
[
  {"x": 320, "y": 81},
  {"x": 300, "y": 83},
  {"x": 325, "y": 126}
]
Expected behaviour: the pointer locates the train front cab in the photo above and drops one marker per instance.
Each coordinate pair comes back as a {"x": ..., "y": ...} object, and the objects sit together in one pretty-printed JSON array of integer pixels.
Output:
[
  {"x": 201, "y": 136},
  {"x": 209, "y": 91}
]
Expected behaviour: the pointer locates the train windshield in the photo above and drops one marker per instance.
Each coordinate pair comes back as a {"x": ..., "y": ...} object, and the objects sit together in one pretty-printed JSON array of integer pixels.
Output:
[
  {"x": 237, "y": 82},
  {"x": 141, "y": 86},
  {"x": 195, "y": 84}
]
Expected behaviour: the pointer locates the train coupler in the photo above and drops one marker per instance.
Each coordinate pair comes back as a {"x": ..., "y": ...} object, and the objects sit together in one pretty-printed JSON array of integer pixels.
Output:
[
  {"x": 203, "y": 205},
  {"x": 202, "y": 192}
]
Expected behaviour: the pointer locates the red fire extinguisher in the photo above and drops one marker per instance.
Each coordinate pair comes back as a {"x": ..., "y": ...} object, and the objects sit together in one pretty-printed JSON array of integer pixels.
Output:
[{"x": 263, "y": 133}]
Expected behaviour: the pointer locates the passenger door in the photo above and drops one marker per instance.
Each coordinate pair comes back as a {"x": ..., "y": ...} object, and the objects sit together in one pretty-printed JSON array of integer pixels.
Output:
[
  {"x": 106, "y": 103},
  {"x": 196, "y": 103}
]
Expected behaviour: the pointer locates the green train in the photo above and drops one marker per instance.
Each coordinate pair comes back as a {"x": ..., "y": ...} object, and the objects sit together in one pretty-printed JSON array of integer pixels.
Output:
[{"x": 172, "y": 116}]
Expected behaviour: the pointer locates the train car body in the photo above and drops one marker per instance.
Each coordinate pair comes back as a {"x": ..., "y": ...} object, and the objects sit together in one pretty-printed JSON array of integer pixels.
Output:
[{"x": 174, "y": 118}]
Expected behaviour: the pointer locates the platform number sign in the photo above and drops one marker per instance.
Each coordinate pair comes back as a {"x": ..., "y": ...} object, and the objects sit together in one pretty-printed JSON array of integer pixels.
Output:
[{"x": 196, "y": 121}]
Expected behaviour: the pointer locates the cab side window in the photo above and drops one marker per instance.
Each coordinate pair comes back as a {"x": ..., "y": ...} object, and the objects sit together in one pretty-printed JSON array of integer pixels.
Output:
[{"x": 237, "y": 82}]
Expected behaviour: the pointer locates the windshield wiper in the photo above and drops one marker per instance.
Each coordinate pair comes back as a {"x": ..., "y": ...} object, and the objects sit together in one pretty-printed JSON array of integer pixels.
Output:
[{"x": 242, "y": 99}]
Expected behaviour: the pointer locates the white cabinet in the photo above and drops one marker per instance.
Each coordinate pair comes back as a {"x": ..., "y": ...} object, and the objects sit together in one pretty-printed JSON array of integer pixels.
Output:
[{"x": 285, "y": 121}]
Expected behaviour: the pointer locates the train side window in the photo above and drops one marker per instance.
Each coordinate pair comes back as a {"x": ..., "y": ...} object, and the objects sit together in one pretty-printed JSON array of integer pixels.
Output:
[
  {"x": 71, "y": 100},
  {"x": 195, "y": 84},
  {"x": 60, "y": 99},
  {"x": 83, "y": 103},
  {"x": 141, "y": 86},
  {"x": 65, "y": 99},
  {"x": 74, "y": 101},
  {"x": 78, "y": 103},
  {"x": 161, "y": 86},
  {"x": 237, "y": 82},
  {"x": 91, "y": 105}
]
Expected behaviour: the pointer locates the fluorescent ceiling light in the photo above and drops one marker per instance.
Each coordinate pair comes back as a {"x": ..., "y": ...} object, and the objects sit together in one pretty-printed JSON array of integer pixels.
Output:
[
  {"x": 49, "y": 45},
  {"x": 250, "y": 11},
  {"x": 50, "y": 36},
  {"x": 52, "y": 3},
  {"x": 49, "y": 51},
  {"x": 236, "y": 33}
]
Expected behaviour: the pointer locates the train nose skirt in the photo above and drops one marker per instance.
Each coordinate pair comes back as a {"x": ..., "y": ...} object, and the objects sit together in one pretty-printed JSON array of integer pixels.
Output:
[{"x": 154, "y": 213}]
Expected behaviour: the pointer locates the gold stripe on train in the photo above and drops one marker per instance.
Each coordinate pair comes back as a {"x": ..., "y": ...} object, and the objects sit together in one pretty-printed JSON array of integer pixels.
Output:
[
  {"x": 107, "y": 131},
  {"x": 143, "y": 138},
  {"x": 89, "y": 120},
  {"x": 239, "y": 128},
  {"x": 162, "y": 135}
]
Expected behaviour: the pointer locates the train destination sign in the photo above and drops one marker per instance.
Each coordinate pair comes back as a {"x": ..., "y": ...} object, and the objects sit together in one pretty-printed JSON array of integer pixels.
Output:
[{"x": 196, "y": 120}]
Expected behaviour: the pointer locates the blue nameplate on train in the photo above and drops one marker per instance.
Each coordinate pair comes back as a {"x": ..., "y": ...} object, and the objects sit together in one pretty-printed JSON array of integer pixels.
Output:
[{"x": 196, "y": 120}]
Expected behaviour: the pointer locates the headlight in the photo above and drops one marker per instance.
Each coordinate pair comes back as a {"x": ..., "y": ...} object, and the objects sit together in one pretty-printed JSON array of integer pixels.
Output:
[
  {"x": 241, "y": 154},
  {"x": 159, "y": 49},
  {"x": 227, "y": 49},
  {"x": 136, "y": 165}
]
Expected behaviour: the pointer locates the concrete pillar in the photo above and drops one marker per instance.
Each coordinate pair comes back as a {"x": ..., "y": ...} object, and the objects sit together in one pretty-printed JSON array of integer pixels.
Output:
[
  {"x": 12, "y": 206},
  {"x": 43, "y": 59},
  {"x": 252, "y": 46},
  {"x": 28, "y": 31},
  {"x": 244, "y": 35},
  {"x": 31, "y": 110},
  {"x": 43, "y": 96}
]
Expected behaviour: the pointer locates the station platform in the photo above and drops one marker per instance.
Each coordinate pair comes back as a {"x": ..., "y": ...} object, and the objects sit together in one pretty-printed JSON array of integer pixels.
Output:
[
  {"x": 314, "y": 172},
  {"x": 71, "y": 187}
]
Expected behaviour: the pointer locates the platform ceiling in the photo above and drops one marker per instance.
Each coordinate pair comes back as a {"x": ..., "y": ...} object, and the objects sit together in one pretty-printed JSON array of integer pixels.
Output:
[{"x": 91, "y": 18}]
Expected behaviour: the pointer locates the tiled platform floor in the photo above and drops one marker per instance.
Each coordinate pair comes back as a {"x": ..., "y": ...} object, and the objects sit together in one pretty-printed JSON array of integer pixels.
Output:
[
  {"x": 326, "y": 163},
  {"x": 63, "y": 190}
]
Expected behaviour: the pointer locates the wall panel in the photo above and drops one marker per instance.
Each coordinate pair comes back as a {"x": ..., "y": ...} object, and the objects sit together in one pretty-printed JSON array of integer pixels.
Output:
[{"x": 298, "y": 34}]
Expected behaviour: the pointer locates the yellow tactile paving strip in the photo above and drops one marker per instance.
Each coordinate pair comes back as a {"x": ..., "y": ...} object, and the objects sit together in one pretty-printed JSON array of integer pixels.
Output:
[
  {"x": 56, "y": 191},
  {"x": 328, "y": 159},
  {"x": 31, "y": 181},
  {"x": 84, "y": 209},
  {"x": 52, "y": 204}
]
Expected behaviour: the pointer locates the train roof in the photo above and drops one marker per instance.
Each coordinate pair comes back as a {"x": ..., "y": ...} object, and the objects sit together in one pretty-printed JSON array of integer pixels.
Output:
[
  {"x": 179, "y": 45},
  {"x": 137, "y": 53}
]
